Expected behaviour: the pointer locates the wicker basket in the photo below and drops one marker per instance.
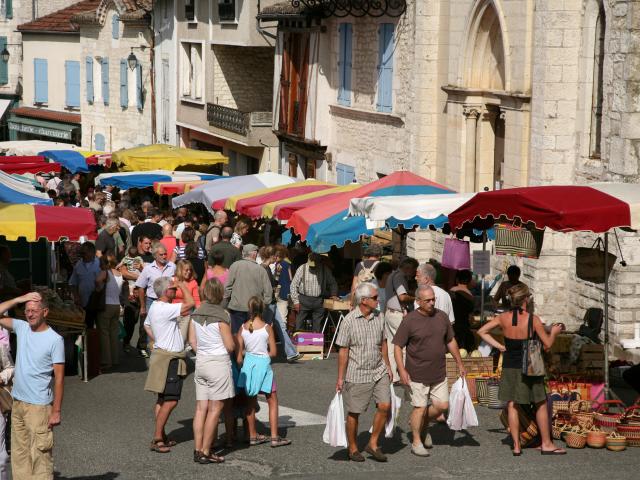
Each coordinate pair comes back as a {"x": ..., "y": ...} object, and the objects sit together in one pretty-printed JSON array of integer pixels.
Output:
[
  {"x": 580, "y": 406},
  {"x": 629, "y": 426},
  {"x": 596, "y": 438},
  {"x": 493, "y": 386},
  {"x": 605, "y": 419},
  {"x": 575, "y": 438},
  {"x": 557, "y": 428},
  {"x": 584, "y": 420},
  {"x": 482, "y": 390},
  {"x": 473, "y": 366},
  {"x": 616, "y": 442}
]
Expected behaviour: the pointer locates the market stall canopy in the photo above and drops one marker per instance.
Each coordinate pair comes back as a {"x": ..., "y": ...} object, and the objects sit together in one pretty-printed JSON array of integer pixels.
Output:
[
  {"x": 250, "y": 204},
  {"x": 28, "y": 167},
  {"x": 13, "y": 190},
  {"x": 32, "y": 147},
  {"x": 72, "y": 160},
  {"x": 596, "y": 207},
  {"x": 152, "y": 157},
  {"x": 409, "y": 211},
  {"x": 98, "y": 159},
  {"x": 210, "y": 192},
  {"x": 327, "y": 223},
  {"x": 283, "y": 209},
  {"x": 129, "y": 180},
  {"x": 176, "y": 188},
  {"x": 53, "y": 223}
]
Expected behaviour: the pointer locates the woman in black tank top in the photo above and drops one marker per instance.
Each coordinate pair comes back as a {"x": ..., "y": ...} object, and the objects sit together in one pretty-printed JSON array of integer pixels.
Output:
[{"x": 515, "y": 387}]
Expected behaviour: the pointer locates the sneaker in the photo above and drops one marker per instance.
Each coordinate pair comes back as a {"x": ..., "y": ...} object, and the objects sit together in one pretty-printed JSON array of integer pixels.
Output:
[
  {"x": 143, "y": 353},
  {"x": 419, "y": 450},
  {"x": 295, "y": 358},
  {"x": 428, "y": 443}
]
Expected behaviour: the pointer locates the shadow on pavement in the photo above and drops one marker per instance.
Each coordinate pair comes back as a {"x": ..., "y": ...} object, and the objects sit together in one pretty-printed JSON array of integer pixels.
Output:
[{"x": 104, "y": 476}]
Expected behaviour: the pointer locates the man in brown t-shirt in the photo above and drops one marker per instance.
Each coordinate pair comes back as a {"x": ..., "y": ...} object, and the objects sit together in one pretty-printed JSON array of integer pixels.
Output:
[{"x": 427, "y": 335}]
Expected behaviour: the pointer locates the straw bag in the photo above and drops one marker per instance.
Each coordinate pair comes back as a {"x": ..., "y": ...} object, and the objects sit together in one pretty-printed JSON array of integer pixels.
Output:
[
  {"x": 629, "y": 426},
  {"x": 607, "y": 420},
  {"x": 575, "y": 438},
  {"x": 616, "y": 442},
  {"x": 482, "y": 390},
  {"x": 518, "y": 241},
  {"x": 529, "y": 434},
  {"x": 596, "y": 438},
  {"x": 590, "y": 262}
]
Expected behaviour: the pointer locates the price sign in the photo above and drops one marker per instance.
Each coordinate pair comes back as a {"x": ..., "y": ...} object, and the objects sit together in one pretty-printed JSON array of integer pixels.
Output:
[{"x": 481, "y": 262}]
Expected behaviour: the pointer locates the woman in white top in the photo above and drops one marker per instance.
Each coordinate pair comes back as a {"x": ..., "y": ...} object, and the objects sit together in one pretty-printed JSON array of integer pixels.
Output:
[
  {"x": 256, "y": 348},
  {"x": 108, "y": 320},
  {"x": 210, "y": 337}
]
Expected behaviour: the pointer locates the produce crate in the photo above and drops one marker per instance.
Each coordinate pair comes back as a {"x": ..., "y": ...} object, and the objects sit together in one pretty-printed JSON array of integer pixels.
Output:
[
  {"x": 475, "y": 365},
  {"x": 332, "y": 304},
  {"x": 309, "y": 352}
]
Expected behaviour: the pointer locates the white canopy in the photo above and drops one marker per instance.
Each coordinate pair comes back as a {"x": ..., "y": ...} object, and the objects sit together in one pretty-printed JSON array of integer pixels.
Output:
[
  {"x": 223, "y": 188},
  {"x": 378, "y": 210},
  {"x": 33, "y": 147}
]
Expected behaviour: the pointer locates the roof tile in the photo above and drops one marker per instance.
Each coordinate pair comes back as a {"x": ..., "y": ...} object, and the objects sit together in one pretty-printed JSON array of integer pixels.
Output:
[
  {"x": 43, "y": 114},
  {"x": 60, "y": 21}
]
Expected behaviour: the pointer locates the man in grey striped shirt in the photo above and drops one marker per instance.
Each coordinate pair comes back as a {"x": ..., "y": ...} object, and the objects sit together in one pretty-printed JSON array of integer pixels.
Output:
[{"x": 363, "y": 369}]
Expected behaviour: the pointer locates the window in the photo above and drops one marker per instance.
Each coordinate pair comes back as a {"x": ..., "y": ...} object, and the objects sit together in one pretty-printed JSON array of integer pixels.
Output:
[
  {"x": 89, "y": 78},
  {"x": 345, "y": 33},
  {"x": 41, "y": 85},
  {"x": 227, "y": 11},
  {"x": 192, "y": 71},
  {"x": 6, "y": 8},
  {"x": 385, "y": 67},
  {"x": 345, "y": 174},
  {"x": 72, "y": 83},
  {"x": 139, "y": 88},
  {"x": 4, "y": 66},
  {"x": 105, "y": 80},
  {"x": 596, "y": 96},
  {"x": 293, "y": 84},
  {"x": 190, "y": 10},
  {"x": 99, "y": 142},
  {"x": 115, "y": 26}
]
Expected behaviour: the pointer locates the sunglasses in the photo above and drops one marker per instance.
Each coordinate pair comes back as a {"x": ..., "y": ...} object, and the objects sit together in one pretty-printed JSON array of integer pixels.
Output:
[
  {"x": 375, "y": 297},
  {"x": 427, "y": 300}
]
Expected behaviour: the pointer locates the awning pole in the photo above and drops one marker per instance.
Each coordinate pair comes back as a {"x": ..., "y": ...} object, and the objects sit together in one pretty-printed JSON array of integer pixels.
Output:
[
  {"x": 606, "y": 316},
  {"x": 484, "y": 248}
]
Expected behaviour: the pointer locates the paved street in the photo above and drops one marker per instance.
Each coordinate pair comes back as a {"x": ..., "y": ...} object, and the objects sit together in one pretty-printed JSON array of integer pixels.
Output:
[{"x": 107, "y": 425}]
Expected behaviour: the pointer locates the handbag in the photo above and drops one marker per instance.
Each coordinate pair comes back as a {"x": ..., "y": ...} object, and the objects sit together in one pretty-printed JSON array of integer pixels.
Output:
[
  {"x": 456, "y": 254},
  {"x": 590, "y": 262},
  {"x": 6, "y": 400},
  {"x": 518, "y": 241},
  {"x": 97, "y": 300},
  {"x": 532, "y": 360}
]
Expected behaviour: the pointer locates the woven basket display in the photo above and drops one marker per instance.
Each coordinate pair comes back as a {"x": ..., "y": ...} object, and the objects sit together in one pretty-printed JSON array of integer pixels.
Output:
[
  {"x": 493, "y": 386},
  {"x": 473, "y": 366},
  {"x": 482, "y": 390},
  {"x": 596, "y": 438},
  {"x": 607, "y": 420},
  {"x": 575, "y": 438},
  {"x": 556, "y": 429},
  {"x": 616, "y": 442},
  {"x": 584, "y": 420}
]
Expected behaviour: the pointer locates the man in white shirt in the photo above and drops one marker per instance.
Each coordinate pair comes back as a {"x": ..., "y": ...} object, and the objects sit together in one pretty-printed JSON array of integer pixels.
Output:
[
  {"x": 166, "y": 366},
  {"x": 426, "y": 275}
]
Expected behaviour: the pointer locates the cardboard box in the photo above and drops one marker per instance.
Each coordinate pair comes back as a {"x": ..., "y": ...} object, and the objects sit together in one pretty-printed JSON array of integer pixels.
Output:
[{"x": 331, "y": 304}]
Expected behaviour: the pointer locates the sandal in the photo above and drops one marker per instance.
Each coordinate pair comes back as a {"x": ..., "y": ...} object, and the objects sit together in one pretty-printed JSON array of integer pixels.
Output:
[
  {"x": 158, "y": 446},
  {"x": 260, "y": 439},
  {"x": 168, "y": 441},
  {"x": 201, "y": 458},
  {"x": 279, "y": 442},
  {"x": 215, "y": 458}
]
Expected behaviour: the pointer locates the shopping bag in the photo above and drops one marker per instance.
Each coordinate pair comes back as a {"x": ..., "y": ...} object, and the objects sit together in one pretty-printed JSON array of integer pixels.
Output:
[
  {"x": 462, "y": 413},
  {"x": 456, "y": 254},
  {"x": 390, "y": 425},
  {"x": 335, "y": 433}
]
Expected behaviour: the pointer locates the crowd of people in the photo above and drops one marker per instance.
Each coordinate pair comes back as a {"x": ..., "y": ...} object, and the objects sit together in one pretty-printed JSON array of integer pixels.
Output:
[{"x": 195, "y": 285}]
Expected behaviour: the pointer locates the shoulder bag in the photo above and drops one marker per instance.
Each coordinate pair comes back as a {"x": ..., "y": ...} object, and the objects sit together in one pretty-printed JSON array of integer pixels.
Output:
[{"x": 532, "y": 361}]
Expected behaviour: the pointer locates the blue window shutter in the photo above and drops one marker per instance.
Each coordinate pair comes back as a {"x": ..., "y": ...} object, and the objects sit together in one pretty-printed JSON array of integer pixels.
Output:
[
  {"x": 349, "y": 174},
  {"x": 385, "y": 67},
  {"x": 89, "y": 77},
  {"x": 8, "y": 8},
  {"x": 124, "y": 84},
  {"x": 72, "y": 83},
  {"x": 139, "y": 86},
  {"x": 4, "y": 66},
  {"x": 105, "y": 81},
  {"x": 41, "y": 80},
  {"x": 344, "y": 64},
  {"x": 99, "y": 143},
  {"x": 340, "y": 174},
  {"x": 115, "y": 26}
]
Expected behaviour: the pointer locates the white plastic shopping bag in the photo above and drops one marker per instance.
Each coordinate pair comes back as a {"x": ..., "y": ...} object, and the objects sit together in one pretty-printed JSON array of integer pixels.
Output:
[
  {"x": 462, "y": 413},
  {"x": 335, "y": 433},
  {"x": 390, "y": 425}
]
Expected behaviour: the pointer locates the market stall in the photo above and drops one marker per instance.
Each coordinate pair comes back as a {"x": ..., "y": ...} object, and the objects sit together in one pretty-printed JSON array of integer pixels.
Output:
[
  {"x": 32, "y": 147},
  {"x": 152, "y": 157},
  {"x": 127, "y": 180},
  {"x": 176, "y": 187},
  {"x": 251, "y": 203},
  {"x": 596, "y": 208},
  {"x": 13, "y": 190},
  {"x": 19, "y": 168},
  {"x": 283, "y": 209},
  {"x": 211, "y": 192},
  {"x": 326, "y": 224},
  {"x": 72, "y": 160}
]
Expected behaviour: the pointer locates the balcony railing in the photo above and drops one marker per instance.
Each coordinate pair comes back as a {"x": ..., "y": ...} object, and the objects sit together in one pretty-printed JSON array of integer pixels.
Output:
[{"x": 236, "y": 121}]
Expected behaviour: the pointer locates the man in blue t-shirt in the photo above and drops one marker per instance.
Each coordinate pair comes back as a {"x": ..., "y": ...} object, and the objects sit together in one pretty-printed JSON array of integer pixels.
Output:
[{"x": 36, "y": 405}]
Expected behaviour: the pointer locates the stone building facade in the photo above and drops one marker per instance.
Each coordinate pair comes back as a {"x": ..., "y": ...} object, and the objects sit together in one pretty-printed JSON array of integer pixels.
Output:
[
  {"x": 117, "y": 100},
  {"x": 485, "y": 94}
]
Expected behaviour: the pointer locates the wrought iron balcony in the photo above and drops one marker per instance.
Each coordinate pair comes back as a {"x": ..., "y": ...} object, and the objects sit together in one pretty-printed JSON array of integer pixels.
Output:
[
  {"x": 236, "y": 121},
  {"x": 356, "y": 8}
]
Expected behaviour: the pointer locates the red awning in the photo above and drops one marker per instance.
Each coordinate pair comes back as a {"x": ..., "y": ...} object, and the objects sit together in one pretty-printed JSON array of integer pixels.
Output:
[
  {"x": 36, "y": 167},
  {"x": 597, "y": 207}
]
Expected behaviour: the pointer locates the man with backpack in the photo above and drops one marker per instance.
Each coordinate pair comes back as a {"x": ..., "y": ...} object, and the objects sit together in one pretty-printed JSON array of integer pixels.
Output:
[
  {"x": 364, "y": 271},
  {"x": 212, "y": 236}
]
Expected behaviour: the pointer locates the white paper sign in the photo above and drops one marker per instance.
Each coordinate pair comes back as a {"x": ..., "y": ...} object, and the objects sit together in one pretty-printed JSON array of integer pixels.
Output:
[{"x": 482, "y": 262}]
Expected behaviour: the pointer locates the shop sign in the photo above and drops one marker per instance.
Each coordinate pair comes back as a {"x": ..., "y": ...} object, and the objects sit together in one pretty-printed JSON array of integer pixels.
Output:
[{"x": 43, "y": 131}]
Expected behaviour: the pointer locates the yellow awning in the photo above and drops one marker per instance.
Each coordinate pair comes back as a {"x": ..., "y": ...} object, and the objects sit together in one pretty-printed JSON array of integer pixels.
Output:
[
  {"x": 233, "y": 200},
  {"x": 166, "y": 157},
  {"x": 269, "y": 208},
  {"x": 18, "y": 220}
]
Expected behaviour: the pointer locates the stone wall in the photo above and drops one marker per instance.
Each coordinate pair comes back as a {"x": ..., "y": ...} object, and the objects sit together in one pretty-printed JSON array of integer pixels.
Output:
[
  {"x": 121, "y": 127},
  {"x": 45, "y": 7}
]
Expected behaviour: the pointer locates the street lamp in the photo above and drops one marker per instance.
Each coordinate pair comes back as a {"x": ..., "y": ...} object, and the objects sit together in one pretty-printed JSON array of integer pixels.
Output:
[
  {"x": 132, "y": 60},
  {"x": 5, "y": 55}
]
